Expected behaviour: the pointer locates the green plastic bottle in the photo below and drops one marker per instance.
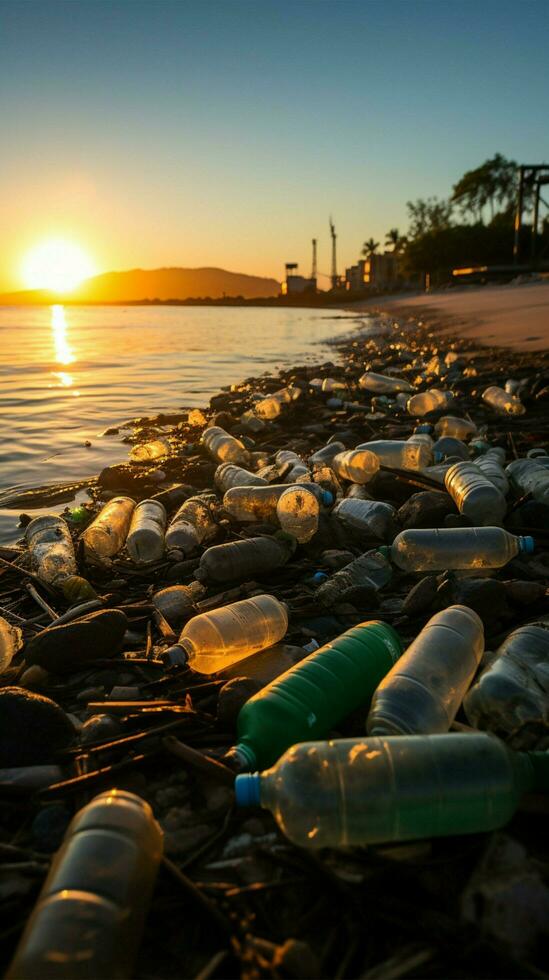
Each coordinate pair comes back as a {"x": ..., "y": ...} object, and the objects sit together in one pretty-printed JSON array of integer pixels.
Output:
[
  {"x": 314, "y": 695},
  {"x": 362, "y": 791}
]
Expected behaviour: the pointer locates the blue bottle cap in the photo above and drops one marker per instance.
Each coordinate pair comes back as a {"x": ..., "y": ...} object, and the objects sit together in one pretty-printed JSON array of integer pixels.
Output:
[
  {"x": 247, "y": 789},
  {"x": 526, "y": 544},
  {"x": 327, "y": 498},
  {"x": 319, "y": 577}
]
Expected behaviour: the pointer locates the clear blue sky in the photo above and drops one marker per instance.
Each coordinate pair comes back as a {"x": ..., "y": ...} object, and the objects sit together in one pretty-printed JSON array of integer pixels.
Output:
[{"x": 225, "y": 133}]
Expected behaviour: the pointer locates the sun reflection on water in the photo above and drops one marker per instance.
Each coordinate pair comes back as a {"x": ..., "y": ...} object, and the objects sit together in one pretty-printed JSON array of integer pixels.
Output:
[{"x": 62, "y": 350}]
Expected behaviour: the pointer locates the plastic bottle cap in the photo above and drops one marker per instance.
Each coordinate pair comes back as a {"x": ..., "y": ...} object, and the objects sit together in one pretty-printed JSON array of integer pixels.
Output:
[
  {"x": 319, "y": 577},
  {"x": 327, "y": 498},
  {"x": 247, "y": 789},
  {"x": 526, "y": 544}
]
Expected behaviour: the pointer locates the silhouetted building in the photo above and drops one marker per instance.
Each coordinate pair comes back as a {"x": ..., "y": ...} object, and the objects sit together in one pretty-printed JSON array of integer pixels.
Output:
[
  {"x": 294, "y": 284},
  {"x": 375, "y": 272}
]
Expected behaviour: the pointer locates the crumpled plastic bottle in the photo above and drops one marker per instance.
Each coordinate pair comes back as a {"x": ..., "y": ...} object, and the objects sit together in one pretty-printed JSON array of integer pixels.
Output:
[
  {"x": 498, "y": 399},
  {"x": 373, "y": 517},
  {"x": 51, "y": 549},
  {"x": 370, "y": 571},
  {"x": 514, "y": 687}
]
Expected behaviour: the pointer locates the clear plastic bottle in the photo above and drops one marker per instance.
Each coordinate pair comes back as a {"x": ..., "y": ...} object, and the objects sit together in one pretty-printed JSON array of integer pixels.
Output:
[
  {"x": 298, "y": 511},
  {"x": 371, "y": 517},
  {"x": 437, "y": 472},
  {"x": 326, "y": 454},
  {"x": 90, "y": 913},
  {"x": 435, "y": 549},
  {"x": 450, "y": 425},
  {"x": 356, "y": 465},
  {"x": 513, "y": 688},
  {"x": 51, "y": 549},
  {"x": 421, "y": 694},
  {"x": 216, "y": 639},
  {"x": 490, "y": 464},
  {"x": 243, "y": 559},
  {"x": 448, "y": 446},
  {"x": 224, "y": 447},
  {"x": 145, "y": 541},
  {"x": 400, "y": 454},
  {"x": 270, "y": 407},
  {"x": 355, "y": 792},
  {"x": 149, "y": 452},
  {"x": 421, "y": 439},
  {"x": 371, "y": 571},
  {"x": 316, "y": 694},
  {"x": 10, "y": 643},
  {"x": 529, "y": 476},
  {"x": 358, "y": 491},
  {"x": 475, "y": 495},
  {"x": 433, "y": 400},
  {"x": 107, "y": 533},
  {"x": 251, "y": 504},
  {"x": 382, "y": 384},
  {"x": 500, "y": 401},
  {"x": 191, "y": 525},
  {"x": 228, "y": 475}
]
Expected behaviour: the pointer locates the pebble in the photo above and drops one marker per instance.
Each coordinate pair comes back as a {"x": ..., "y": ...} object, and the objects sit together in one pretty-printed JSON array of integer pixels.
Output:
[
  {"x": 426, "y": 509},
  {"x": 32, "y": 728}
]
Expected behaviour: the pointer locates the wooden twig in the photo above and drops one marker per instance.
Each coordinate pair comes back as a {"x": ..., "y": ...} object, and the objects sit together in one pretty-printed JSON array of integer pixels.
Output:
[
  {"x": 41, "y": 602},
  {"x": 199, "y": 761}
]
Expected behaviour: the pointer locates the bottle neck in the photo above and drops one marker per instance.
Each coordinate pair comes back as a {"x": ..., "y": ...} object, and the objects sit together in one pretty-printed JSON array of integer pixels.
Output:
[{"x": 242, "y": 757}]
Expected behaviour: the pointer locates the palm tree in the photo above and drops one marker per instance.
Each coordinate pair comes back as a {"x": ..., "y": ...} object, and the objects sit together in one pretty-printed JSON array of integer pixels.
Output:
[
  {"x": 394, "y": 238},
  {"x": 370, "y": 248}
]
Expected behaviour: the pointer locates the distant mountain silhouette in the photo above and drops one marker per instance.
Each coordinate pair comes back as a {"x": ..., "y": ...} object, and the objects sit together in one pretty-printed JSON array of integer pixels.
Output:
[{"x": 151, "y": 284}]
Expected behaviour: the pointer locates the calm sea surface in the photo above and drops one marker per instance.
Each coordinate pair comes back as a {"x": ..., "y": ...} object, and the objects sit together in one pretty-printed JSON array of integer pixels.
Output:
[{"x": 67, "y": 374}]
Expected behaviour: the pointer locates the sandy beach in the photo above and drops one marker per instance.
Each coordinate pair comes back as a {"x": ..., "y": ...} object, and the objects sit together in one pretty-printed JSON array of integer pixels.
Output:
[{"x": 509, "y": 316}]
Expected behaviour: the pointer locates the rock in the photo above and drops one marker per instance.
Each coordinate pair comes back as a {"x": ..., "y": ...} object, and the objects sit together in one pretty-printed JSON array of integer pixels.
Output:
[
  {"x": 224, "y": 420},
  {"x": 232, "y": 696},
  {"x": 422, "y": 597},
  {"x": 486, "y": 596},
  {"x": 34, "y": 678},
  {"x": 531, "y": 514},
  {"x": 100, "y": 728},
  {"x": 296, "y": 959},
  {"x": 122, "y": 476},
  {"x": 457, "y": 520},
  {"x": 524, "y": 593},
  {"x": 64, "y": 649},
  {"x": 426, "y": 509},
  {"x": 32, "y": 728},
  {"x": 336, "y": 559}
]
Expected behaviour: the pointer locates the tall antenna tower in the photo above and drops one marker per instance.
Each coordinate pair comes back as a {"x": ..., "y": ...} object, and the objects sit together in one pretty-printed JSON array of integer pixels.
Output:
[
  {"x": 313, "y": 270},
  {"x": 334, "y": 278}
]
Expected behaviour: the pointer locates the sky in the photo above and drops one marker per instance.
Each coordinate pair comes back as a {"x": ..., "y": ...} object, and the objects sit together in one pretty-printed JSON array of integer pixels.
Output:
[{"x": 156, "y": 133}]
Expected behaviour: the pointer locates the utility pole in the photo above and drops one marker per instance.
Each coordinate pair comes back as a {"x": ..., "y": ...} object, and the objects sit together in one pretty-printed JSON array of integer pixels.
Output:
[
  {"x": 313, "y": 270},
  {"x": 334, "y": 277}
]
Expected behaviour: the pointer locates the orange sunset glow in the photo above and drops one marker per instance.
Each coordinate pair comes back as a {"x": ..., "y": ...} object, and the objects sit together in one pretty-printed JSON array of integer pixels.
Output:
[{"x": 56, "y": 264}]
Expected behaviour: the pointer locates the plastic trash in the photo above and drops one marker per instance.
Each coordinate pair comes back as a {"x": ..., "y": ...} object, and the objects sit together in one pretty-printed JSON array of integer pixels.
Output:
[
  {"x": 326, "y": 453},
  {"x": 435, "y": 549},
  {"x": 244, "y": 559},
  {"x": 491, "y": 465},
  {"x": 401, "y": 454},
  {"x": 433, "y": 400},
  {"x": 502, "y": 402},
  {"x": 30, "y": 777},
  {"x": 369, "y": 517},
  {"x": 251, "y": 504},
  {"x": 298, "y": 511},
  {"x": 175, "y": 603},
  {"x": 190, "y": 526},
  {"x": 145, "y": 541},
  {"x": 448, "y": 446},
  {"x": 370, "y": 571},
  {"x": 437, "y": 472},
  {"x": 51, "y": 549},
  {"x": 270, "y": 407},
  {"x": 422, "y": 693},
  {"x": 475, "y": 495},
  {"x": 107, "y": 533},
  {"x": 356, "y": 465},
  {"x": 514, "y": 687},
  {"x": 90, "y": 913},
  {"x": 355, "y": 792},
  {"x": 228, "y": 475},
  {"x": 421, "y": 439},
  {"x": 316, "y": 694},
  {"x": 528, "y": 476},
  {"x": 150, "y": 451},
  {"x": 224, "y": 447},
  {"x": 10, "y": 643},
  {"x": 450, "y": 425},
  {"x": 214, "y": 640},
  {"x": 382, "y": 384}
]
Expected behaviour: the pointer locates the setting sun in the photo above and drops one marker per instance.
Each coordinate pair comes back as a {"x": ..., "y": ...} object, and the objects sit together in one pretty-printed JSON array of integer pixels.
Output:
[{"x": 56, "y": 264}]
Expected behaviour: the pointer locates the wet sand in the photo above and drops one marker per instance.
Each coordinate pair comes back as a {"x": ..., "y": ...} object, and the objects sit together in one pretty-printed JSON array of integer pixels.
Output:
[{"x": 509, "y": 316}]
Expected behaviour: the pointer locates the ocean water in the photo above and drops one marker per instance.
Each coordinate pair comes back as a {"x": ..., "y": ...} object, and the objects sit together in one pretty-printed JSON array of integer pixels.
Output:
[{"x": 68, "y": 373}]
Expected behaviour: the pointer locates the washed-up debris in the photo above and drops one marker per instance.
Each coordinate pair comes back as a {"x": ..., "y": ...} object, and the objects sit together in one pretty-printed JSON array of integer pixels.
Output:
[{"x": 242, "y": 589}]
